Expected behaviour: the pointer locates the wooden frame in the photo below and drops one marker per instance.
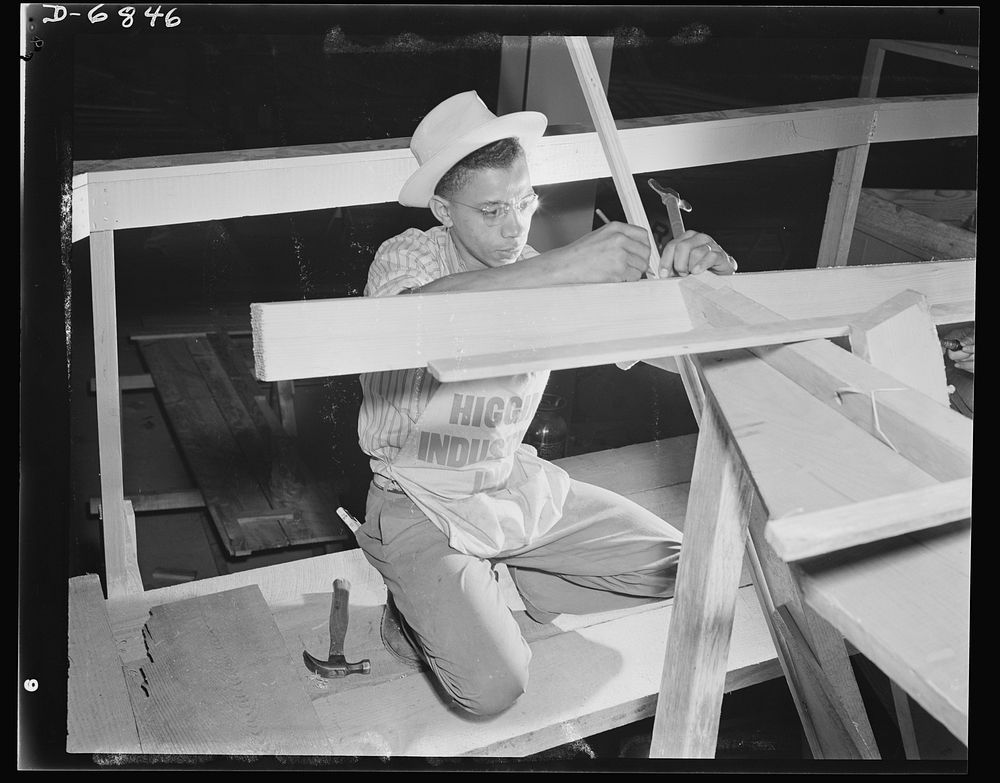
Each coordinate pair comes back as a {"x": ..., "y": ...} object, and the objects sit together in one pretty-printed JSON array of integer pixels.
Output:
[
  {"x": 849, "y": 170},
  {"x": 189, "y": 188}
]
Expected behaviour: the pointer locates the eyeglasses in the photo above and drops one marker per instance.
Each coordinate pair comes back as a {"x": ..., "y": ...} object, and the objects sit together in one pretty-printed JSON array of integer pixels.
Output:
[{"x": 495, "y": 214}]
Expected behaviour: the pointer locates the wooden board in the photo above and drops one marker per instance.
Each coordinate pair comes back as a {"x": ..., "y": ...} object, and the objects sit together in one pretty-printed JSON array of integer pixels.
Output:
[
  {"x": 945, "y": 206},
  {"x": 694, "y": 666},
  {"x": 362, "y": 334},
  {"x": 258, "y": 496},
  {"x": 964, "y": 56},
  {"x": 218, "y": 679},
  {"x": 98, "y": 710},
  {"x": 227, "y": 479},
  {"x": 290, "y": 483},
  {"x": 932, "y": 437},
  {"x": 248, "y": 182},
  {"x": 563, "y": 702},
  {"x": 807, "y": 535},
  {"x": 905, "y": 605},
  {"x": 910, "y": 231},
  {"x": 581, "y": 683},
  {"x": 794, "y": 445}
]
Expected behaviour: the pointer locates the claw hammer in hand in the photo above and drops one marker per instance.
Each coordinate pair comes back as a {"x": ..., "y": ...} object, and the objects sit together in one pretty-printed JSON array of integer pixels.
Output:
[
  {"x": 674, "y": 203},
  {"x": 336, "y": 664}
]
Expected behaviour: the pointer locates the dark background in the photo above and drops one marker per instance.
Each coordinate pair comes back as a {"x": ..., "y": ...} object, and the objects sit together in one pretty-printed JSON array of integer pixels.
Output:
[{"x": 240, "y": 77}]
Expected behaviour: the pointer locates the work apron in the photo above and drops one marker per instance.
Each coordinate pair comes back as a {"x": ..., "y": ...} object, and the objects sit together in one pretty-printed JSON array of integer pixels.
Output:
[{"x": 464, "y": 466}]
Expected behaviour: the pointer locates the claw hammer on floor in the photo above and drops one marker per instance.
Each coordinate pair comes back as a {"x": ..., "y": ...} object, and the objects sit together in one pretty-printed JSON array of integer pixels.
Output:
[{"x": 336, "y": 664}]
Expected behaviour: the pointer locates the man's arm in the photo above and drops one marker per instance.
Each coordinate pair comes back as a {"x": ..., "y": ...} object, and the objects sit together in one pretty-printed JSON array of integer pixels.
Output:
[{"x": 614, "y": 253}]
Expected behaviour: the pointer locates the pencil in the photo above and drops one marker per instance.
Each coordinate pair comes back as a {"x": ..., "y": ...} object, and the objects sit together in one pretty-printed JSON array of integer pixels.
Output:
[{"x": 602, "y": 216}]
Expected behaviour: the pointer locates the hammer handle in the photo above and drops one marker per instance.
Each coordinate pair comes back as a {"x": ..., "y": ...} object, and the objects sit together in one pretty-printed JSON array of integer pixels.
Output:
[{"x": 339, "y": 616}]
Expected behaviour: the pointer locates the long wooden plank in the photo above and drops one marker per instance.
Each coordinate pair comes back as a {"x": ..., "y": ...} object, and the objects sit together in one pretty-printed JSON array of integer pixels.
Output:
[
  {"x": 807, "y": 535},
  {"x": 582, "y": 682},
  {"x": 291, "y": 483},
  {"x": 691, "y": 687},
  {"x": 157, "y": 501},
  {"x": 98, "y": 711},
  {"x": 965, "y": 56},
  {"x": 120, "y": 563},
  {"x": 218, "y": 679},
  {"x": 905, "y": 605},
  {"x": 588, "y": 354},
  {"x": 946, "y": 206},
  {"x": 220, "y": 468},
  {"x": 794, "y": 445},
  {"x": 359, "y": 334},
  {"x": 244, "y": 183},
  {"x": 929, "y": 435},
  {"x": 910, "y": 231},
  {"x": 607, "y": 132}
]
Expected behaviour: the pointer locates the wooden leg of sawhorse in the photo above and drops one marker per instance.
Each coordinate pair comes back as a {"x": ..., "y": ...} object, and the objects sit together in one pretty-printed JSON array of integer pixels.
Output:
[{"x": 694, "y": 671}]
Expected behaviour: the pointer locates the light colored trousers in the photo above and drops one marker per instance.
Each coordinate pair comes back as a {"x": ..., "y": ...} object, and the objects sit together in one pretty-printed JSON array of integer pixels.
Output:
[{"x": 605, "y": 553}]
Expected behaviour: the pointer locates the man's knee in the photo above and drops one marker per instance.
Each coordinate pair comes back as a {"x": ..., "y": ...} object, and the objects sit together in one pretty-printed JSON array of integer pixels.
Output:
[{"x": 493, "y": 690}]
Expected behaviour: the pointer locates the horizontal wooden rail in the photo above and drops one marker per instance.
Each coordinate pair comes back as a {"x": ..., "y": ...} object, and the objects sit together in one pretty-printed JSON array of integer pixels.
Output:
[
  {"x": 817, "y": 533},
  {"x": 574, "y": 324},
  {"x": 186, "y": 189},
  {"x": 967, "y": 56}
]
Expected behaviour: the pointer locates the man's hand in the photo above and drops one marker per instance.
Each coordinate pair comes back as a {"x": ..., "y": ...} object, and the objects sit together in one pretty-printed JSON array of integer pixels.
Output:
[
  {"x": 613, "y": 253},
  {"x": 693, "y": 253},
  {"x": 964, "y": 357}
]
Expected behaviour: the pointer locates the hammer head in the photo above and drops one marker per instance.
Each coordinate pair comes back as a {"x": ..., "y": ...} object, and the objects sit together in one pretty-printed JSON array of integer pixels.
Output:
[
  {"x": 335, "y": 666},
  {"x": 664, "y": 192}
]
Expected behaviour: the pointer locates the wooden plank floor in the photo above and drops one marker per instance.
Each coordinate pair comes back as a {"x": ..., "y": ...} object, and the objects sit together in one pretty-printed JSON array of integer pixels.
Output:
[
  {"x": 257, "y": 493},
  {"x": 218, "y": 679},
  {"x": 589, "y": 673}
]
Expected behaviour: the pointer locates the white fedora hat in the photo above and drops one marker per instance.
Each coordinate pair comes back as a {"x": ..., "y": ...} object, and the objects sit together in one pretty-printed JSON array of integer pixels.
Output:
[{"x": 454, "y": 128}]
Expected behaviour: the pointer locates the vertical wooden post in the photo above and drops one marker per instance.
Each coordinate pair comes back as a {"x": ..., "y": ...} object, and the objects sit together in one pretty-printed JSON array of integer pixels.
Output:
[
  {"x": 848, "y": 176},
  {"x": 694, "y": 670},
  {"x": 121, "y": 566}
]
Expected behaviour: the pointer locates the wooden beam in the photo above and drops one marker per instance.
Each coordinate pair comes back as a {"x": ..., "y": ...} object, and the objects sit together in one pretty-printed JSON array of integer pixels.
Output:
[
  {"x": 118, "y": 523},
  {"x": 607, "y": 132},
  {"x": 807, "y": 535},
  {"x": 793, "y": 444},
  {"x": 828, "y": 737},
  {"x": 126, "y": 383},
  {"x": 687, "y": 713},
  {"x": 934, "y": 438},
  {"x": 181, "y": 189},
  {"x": 912, "y": 232},
  {"x": 359, "y": 334},
  {"x": 316, "y": 338},
  {"x": 944, "y": 206},
  {"x": 839, "y": 720},
  {"x": 964, "y": 56},
  {"x": 703, "y": 340},
  {"x": 157, "y": 501}
]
